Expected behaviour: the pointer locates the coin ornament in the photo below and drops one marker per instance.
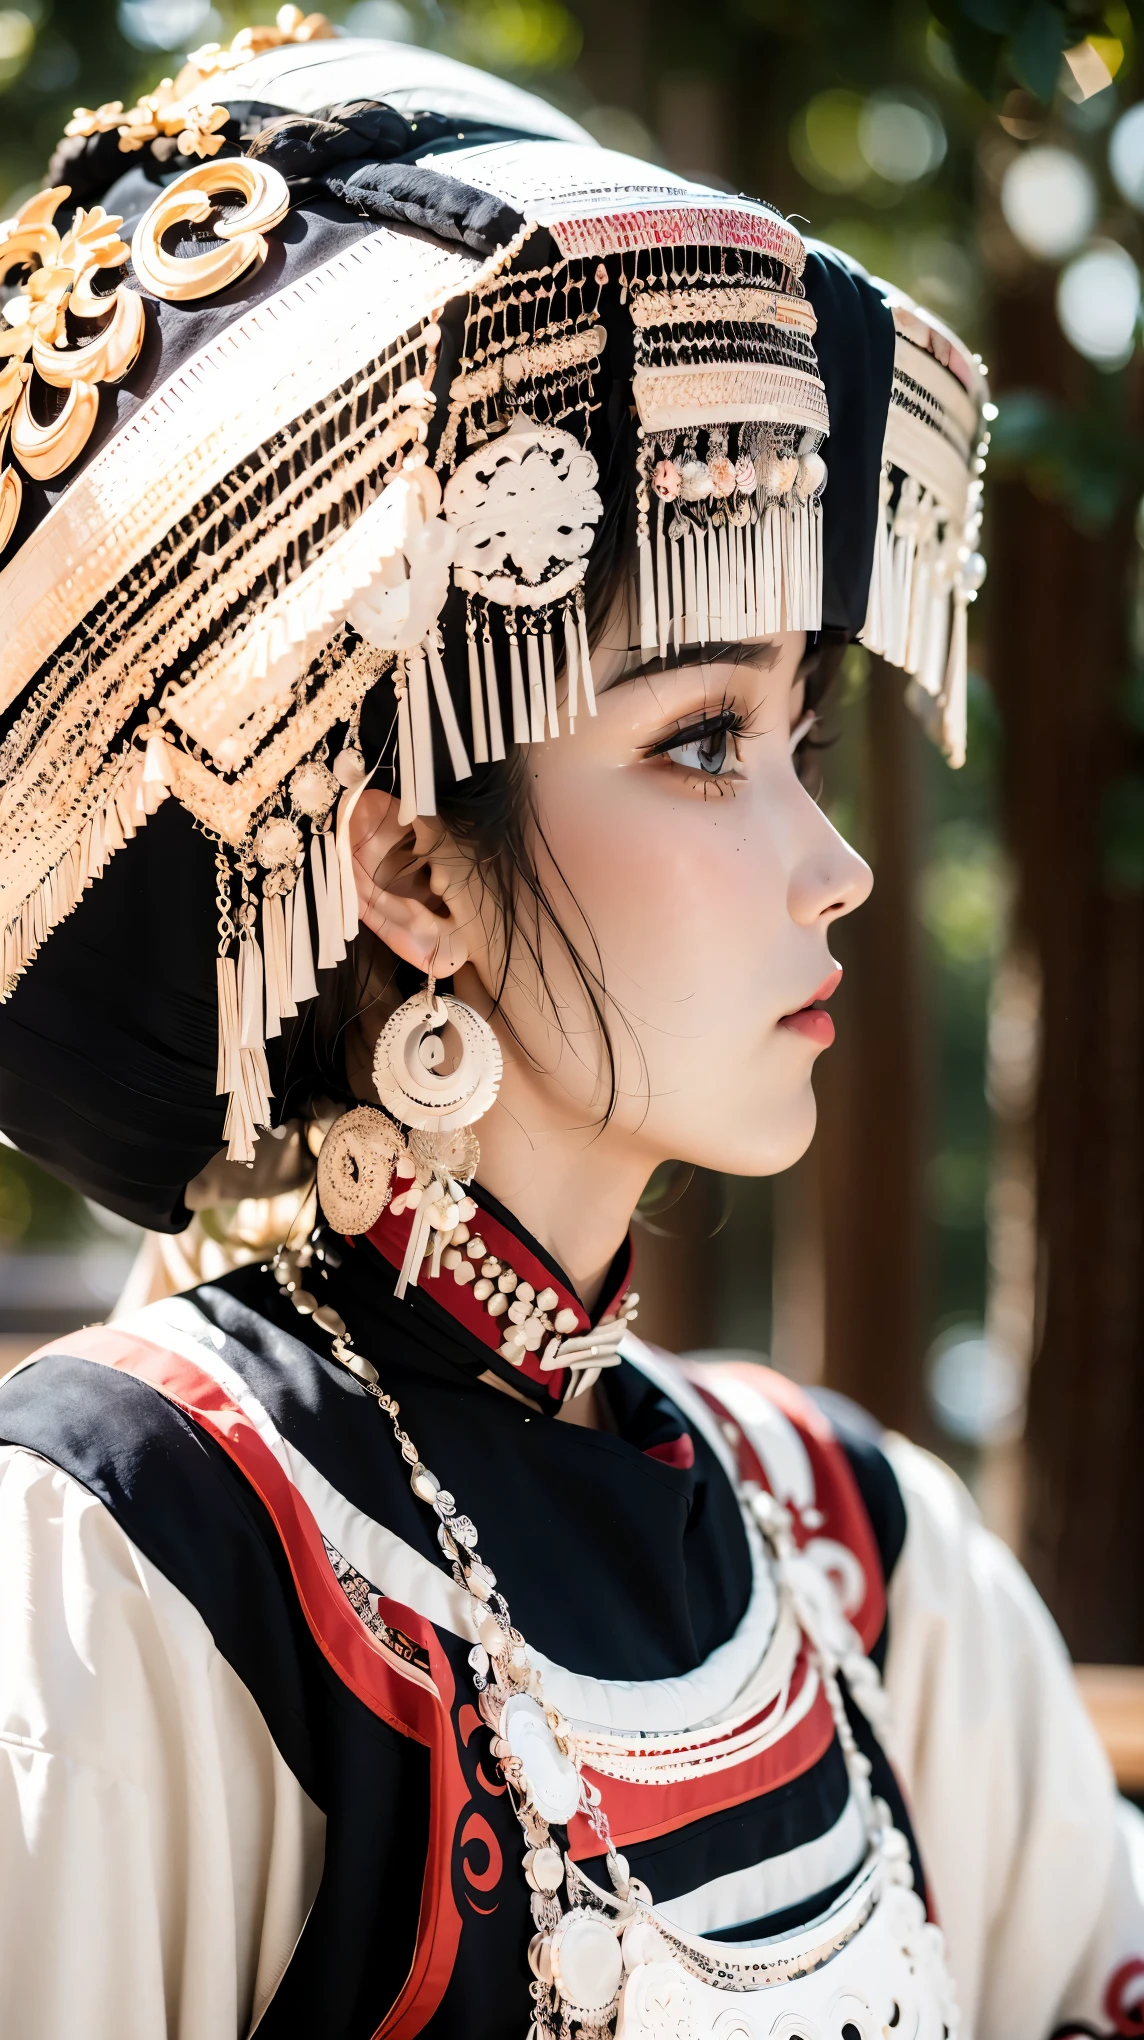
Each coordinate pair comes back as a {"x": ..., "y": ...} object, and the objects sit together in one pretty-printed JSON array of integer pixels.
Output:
[
  {"x": 552, "y": 1778},
  {"x": 587, "y": 1964},
  {"x": 355, "y": 1168}
]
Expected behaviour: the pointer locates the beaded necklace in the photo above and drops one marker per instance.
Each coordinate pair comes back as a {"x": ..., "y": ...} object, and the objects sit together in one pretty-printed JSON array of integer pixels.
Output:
[{"x": 585, "y": 1947}]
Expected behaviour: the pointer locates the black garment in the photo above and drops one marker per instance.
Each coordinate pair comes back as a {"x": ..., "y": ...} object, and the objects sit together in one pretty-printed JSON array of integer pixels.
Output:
[{"x": 615, "y": 1565}]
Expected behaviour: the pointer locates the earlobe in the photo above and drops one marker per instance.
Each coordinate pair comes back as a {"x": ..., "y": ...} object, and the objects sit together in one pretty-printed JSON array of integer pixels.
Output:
[{"x": 396, "y": 900}]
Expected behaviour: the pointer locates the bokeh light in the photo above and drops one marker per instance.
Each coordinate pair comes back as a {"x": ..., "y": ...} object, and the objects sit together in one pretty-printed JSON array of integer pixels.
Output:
[
  {"x": 1126, "y": 156},
  {"x": 1049, "y": 200},
  {"x": 165, "y": 24},
  {"x": 387, "y": 19},
  {"x": 824, "y": 141},
  {"x": 902, "y": 139},
  {"x": 17, "y": 40},
  {"x": 1098, "y": 304},
  {"x": 977, "y": 1391}
]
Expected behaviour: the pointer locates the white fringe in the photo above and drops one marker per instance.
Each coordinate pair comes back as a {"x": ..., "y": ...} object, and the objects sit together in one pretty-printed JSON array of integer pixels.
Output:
[
  {"x": 572, "y": 668},
  {"x": 662, "y": 590},
  {"x": 476, "y": 704},
  {"x": 535, "y": 687},
  {"x": 956, "y": 689},
  {"x": 550, "y": 679},
  {"x": 279, "y": 1001},
  {"x": 492, "y": 696},
  {"x": 303, "y": 983},
  {"x": 325, "y": 879},
  {"x": 690, "y": 590},
  {"x": 520, "y": 729},
  {"x": 406, "y": 773},
  {"x": 139, "y": 792},
  {"x": 424, "y": 778},
  {"x": 649, "y": 636},
  {"x": 585, "y": 657},
  {"x": 458, "y": 756}
]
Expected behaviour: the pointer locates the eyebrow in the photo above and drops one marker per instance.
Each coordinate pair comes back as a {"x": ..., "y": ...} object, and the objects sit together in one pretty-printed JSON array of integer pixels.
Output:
[{"x": 766, "y": 654}]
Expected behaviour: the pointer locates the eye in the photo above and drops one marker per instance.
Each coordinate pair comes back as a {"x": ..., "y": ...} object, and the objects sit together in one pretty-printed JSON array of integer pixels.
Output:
[
  {"x": 707, "y": 747},
  {"x": 710, "y": 753}
]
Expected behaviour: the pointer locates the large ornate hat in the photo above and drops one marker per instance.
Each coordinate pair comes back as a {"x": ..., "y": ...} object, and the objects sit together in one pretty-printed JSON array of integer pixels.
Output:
[{"x": 319, "y": 372}]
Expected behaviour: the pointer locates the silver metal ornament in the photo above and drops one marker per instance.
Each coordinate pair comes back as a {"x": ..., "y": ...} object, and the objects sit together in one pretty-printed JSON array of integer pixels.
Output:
[{"x": 407, "y": 1064}]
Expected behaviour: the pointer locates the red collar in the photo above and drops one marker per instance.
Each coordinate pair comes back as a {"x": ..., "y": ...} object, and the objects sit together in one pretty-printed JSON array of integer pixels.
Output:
[{"x": 391, "y": 1236}]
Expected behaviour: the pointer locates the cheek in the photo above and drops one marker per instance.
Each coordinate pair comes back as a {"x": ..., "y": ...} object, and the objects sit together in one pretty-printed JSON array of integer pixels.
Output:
[{"x": 681, "y": 894}]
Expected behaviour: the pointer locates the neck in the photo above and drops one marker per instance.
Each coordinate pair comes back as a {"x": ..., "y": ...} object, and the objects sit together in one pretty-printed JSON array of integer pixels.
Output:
[
  {"x": 570, "y": 1182},
  {"x": 573, "y": 1188}
]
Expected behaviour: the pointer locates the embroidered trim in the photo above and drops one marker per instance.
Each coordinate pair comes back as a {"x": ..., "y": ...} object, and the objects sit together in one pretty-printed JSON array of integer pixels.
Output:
[
  {"x": 670, "y": 224},
  {"x": 709, "y": 307},
  {"x": 670, "y": 397},
  {"x": 212, "y": 413}
]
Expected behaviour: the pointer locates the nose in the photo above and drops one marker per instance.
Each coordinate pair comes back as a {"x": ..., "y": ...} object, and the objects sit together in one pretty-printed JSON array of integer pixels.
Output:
[{"x": 829, "y": 878}]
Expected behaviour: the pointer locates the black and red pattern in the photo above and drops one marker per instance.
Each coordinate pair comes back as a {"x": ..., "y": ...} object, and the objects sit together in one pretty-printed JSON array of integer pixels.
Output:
[{"x": 619, "y": 1562}]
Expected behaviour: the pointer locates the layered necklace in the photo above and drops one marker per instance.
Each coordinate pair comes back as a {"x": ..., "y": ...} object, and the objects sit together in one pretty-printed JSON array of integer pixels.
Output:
[{"x": 603, "y": 1962}]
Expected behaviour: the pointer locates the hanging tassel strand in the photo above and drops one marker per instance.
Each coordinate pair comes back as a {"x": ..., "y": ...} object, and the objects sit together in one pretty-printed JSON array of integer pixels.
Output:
[
  {"x": 520, "y": 729},
  {"x": 476, "y": 702},
  {"x": 492, "y": 694}
]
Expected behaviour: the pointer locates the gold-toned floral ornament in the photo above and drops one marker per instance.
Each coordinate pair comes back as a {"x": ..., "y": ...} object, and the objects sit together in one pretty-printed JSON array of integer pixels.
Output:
[
  {"x": 194, "y": 128},
  {"x": 175, "y": 109},
  {"x": 36, "y": 339}
]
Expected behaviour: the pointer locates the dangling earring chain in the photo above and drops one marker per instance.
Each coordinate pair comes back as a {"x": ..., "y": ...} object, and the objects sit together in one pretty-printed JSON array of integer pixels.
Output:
[{"x": 523, "y": 1724}]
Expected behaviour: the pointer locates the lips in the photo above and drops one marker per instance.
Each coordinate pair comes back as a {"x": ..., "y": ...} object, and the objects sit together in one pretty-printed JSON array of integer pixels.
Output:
[{"x": 810, "y": 1021}]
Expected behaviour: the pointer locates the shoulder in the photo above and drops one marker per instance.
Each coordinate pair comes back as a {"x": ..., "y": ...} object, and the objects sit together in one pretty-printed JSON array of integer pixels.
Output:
[
  {"x": 156, "y": 1495},
  {"x": 824, "y": 1459}
]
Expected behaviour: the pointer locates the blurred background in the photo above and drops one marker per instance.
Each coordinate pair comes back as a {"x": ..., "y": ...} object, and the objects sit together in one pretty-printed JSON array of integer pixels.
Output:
[{"x": 961, "y": 1251}]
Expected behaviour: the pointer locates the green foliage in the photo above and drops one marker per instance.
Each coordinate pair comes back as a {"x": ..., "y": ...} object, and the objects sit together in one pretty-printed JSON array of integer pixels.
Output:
[
  {"x": 1122, "y": 844},
  {"x": 1089, "y": 459}
]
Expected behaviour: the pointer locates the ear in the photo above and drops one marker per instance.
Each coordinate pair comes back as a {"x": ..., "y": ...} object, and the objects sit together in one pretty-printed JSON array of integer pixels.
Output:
[{"x": 401, "y": 897}]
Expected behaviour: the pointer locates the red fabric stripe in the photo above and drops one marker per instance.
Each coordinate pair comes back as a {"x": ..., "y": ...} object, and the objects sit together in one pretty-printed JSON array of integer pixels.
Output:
[
  {"x": 678, "y": 1452},
  {"x": 391, "y": 1237},
  {"x": 638, "y": 1813},
  {"x": 845, "y": 1520},
  {"x": 346, "y": 1643}
]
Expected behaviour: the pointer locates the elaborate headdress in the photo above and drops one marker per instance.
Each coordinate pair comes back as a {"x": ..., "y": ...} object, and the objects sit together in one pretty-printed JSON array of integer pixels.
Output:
[{"x": 313, "y": 417}]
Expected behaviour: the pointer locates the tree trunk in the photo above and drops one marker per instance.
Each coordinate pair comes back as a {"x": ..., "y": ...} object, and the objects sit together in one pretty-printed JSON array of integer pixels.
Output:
[
  {"x": 871, "y": 1087},
  {"x": 1058, "y": 614}
]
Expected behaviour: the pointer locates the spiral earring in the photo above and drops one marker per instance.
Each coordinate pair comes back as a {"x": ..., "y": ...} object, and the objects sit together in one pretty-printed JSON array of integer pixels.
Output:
[
  {"x": 439, "y": 1106},
  {"x": 364, "y": 1152}
]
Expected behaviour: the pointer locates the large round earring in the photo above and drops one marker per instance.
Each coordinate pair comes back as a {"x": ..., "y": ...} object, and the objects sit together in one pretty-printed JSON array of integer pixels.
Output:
[
  {"x": 440, "y": 1106},
  {"x": 408, "y": 1058}
]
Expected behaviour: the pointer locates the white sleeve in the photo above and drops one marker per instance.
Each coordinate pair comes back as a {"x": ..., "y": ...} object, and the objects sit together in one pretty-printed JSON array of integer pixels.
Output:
[
  {"x": 1027, "y": 1847},
  {"x": 157, "y": 1857}
]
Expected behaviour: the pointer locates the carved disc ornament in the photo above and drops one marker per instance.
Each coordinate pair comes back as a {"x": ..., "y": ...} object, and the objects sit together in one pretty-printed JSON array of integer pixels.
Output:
[{"x": 524, "y": 509}]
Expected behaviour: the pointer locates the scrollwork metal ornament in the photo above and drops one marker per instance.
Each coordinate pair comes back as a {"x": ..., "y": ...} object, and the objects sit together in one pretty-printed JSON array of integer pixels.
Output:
[
  {"x": 38, "y": 339},
  {"x": 189, "y": 201}
]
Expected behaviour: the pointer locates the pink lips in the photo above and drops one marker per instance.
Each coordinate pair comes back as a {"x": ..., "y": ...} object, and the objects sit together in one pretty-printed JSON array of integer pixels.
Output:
[{"x": 810, "y": 1021}]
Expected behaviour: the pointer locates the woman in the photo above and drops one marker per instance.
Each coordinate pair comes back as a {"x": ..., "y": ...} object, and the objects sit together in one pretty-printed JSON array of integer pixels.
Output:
[{"x": 456, "y": 552}]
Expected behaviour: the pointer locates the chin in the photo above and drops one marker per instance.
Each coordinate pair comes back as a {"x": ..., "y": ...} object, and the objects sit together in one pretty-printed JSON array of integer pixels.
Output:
[{"x": 758, "y": 1141}]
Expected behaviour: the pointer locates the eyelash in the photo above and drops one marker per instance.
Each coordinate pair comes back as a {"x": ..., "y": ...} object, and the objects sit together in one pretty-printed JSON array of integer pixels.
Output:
[{"x": 727, "y": 722}]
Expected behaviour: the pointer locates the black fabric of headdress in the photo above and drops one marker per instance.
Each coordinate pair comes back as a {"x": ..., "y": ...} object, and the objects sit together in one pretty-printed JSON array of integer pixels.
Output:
[{"x": 855, "y": 348}]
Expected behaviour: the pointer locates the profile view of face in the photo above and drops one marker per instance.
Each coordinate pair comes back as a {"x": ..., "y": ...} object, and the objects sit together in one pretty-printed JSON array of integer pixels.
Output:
[{"x": 699, "y": 881}]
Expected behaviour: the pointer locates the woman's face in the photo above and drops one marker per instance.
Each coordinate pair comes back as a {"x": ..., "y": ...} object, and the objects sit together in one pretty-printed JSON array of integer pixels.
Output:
[{"x": 699, "y": 880}]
